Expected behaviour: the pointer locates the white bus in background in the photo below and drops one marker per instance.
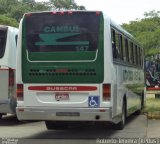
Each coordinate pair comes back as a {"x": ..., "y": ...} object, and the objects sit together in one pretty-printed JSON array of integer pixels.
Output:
[
  {"x": 8, "y": 42},
  {"x": 77, "y": 66}
]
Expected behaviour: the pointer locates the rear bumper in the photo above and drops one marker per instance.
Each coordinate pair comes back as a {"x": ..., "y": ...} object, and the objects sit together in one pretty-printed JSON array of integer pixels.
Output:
[{"x": 61, "y": 114}]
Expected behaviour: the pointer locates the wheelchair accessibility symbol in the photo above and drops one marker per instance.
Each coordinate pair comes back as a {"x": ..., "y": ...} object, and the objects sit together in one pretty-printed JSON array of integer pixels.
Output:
[{"x": 93, "y": 101}]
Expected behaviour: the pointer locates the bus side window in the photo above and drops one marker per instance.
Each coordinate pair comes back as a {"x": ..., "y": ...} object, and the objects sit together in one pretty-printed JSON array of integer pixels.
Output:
[
  {"x": 113, "y": 39},
  {"x": 121, "y": 47},
  {"x": 158, "y": 67},
  {"x": 136, "y": 55},
  {"x": 124, "y": 50},
  {"x": 118, "y": 49},
  {"x": 131, "y": 52},
  {"x": 139, "y": 56},
  {"x": 127, "y": 50}
]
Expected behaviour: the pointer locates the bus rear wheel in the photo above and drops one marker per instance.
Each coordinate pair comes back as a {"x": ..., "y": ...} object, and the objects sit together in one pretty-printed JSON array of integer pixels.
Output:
[
  {"x": 122, "y": 123},
  {"x": 1, "y": 115}
]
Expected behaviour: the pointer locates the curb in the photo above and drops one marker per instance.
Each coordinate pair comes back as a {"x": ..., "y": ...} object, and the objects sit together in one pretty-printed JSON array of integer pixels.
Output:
[{"x": 153, "y": 115}]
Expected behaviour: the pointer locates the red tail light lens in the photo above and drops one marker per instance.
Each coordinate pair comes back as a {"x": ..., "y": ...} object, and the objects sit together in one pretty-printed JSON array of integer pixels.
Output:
[
  {"x": 98, "y": 13},
  {"x": 28, "y": 14},
  {"x": 54, "y": 13},
  {"x": 106, "y": 92},
  {"x": 62, "y": 13},
  {"x": 70, "y": 13},
  {"x": 20, "y": 92}
]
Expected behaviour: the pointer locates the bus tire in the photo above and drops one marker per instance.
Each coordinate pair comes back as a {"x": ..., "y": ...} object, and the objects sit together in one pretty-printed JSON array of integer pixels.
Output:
[
  {"x": 138, "y": 112},
  {"x": 1, "y": 115},
  {"x": 121, "y": 124}
]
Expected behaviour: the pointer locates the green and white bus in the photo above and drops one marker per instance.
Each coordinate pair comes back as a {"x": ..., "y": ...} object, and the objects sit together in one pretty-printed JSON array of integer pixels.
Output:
[{"x": 77, "y": 66}]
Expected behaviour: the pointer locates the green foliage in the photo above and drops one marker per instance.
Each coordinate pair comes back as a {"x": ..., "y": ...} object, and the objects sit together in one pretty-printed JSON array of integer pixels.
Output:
[
  {"x": 4, "y": 20},
  {"x": 16, "y": 8},
  {"x": 152, "y": 14},
  {"x": 66, "y": 5},
  {"x": 41, "y": 7},
  {"x": 147, "y": 31},
  {"x": 28, "y": 1},
  {"x": 6, "y": 5},
  {"x": 17, "y": 11}
]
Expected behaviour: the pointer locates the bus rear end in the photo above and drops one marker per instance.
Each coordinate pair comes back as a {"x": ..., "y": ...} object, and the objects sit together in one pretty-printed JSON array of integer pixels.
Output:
[{"x": 61, "y": 67}]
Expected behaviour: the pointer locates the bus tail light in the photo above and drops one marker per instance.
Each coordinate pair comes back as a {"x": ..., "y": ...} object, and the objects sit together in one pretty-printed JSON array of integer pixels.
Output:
[
  {"x": 98, "y": 13},
  {"x": 62, "y": 13},
  {"x": 20, "y": 92},
  {"x": 106, "y": 92},
  {"x": 28, "y": 14},
  {"x": 54, "y": 13},
  {"x": 70, "y": 12}
]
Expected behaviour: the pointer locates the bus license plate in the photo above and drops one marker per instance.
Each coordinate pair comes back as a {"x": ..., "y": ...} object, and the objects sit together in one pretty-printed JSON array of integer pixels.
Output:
[{"x": 61, "y": 96}]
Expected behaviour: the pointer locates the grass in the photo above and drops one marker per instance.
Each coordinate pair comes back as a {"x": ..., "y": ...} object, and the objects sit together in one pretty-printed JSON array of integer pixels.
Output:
[{"x": 152, "y": 105}]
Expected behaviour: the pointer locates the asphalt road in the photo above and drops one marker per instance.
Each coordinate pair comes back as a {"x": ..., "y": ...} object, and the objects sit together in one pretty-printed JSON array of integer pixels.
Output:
[{"x": 36, "y": 132}]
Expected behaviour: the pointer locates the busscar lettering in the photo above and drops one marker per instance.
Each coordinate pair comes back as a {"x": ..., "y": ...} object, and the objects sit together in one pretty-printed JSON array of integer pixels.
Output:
[
  {"x": 61, "y": 29},
  {"x": 60, "y": 88}
]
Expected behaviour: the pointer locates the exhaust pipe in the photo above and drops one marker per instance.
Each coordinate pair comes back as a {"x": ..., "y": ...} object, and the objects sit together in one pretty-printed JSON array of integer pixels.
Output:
[{"x": 97, "y": 117}]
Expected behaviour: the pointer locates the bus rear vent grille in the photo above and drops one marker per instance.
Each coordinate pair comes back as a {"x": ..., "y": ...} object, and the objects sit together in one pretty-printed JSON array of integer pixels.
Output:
[{"x": 62, "y": 72}]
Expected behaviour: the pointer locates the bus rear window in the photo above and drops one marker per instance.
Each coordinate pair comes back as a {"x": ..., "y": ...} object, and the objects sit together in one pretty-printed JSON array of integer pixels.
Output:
[
  {"x": 62, "y": 31},
  {"x": 3, "y": 37}
]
